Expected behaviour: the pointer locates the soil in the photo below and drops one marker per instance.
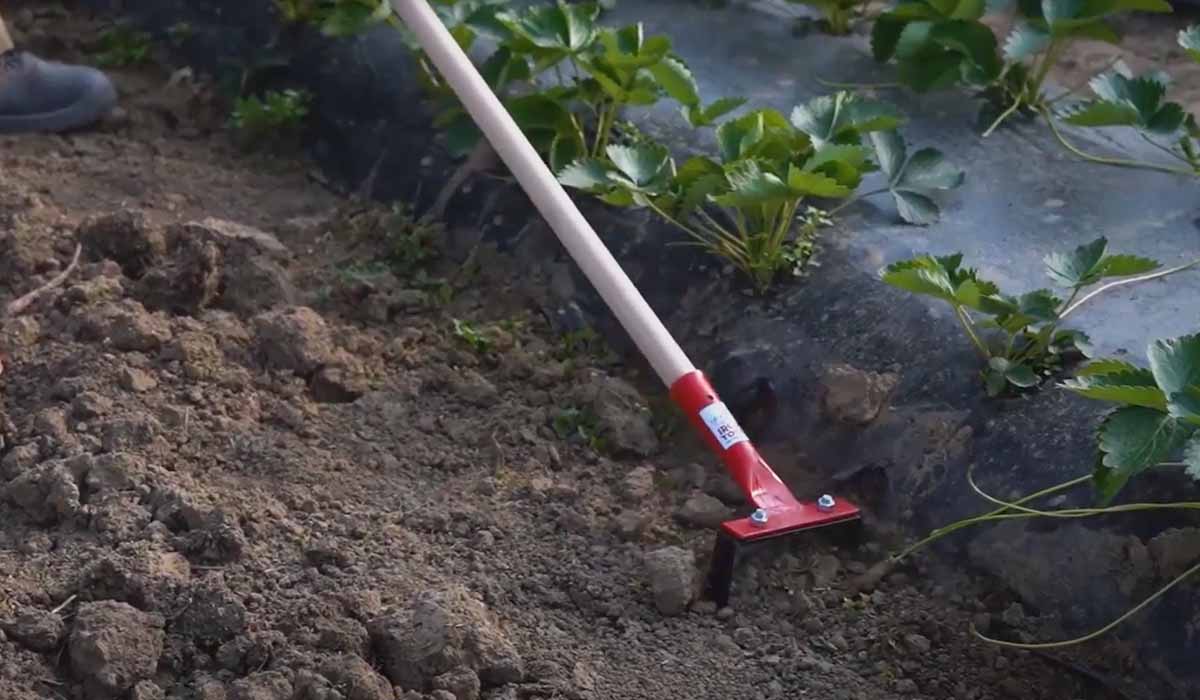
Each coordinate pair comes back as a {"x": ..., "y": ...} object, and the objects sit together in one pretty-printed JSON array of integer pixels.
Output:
[{"x": 268, "y": 442}]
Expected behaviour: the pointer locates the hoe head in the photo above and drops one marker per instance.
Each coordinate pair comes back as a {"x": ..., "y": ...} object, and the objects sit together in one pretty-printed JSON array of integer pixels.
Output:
[{"x": 777, "y": 513}]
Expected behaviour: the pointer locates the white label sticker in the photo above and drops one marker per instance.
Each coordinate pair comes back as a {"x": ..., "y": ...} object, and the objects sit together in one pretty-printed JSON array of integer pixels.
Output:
[{"x": 720, "y": 421}]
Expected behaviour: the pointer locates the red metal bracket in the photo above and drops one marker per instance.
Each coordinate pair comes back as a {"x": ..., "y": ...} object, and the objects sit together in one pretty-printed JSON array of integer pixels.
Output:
[{"x": 784, "y": 513}]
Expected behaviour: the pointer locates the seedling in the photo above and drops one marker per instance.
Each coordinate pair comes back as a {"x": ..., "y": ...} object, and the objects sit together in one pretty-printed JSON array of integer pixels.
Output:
[
  {"x": 585, "y": 343},
  {"x": 743, "y": 207},
  {"x": 472, "y": 337},
  {"x": 123, "y": 46},
  {"x": 276, "y": 116},
  {"x": 579, "y": 426}
]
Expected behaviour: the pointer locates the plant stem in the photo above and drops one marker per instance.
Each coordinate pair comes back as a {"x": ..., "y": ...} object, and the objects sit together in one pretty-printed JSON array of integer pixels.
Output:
[
  {"x": 858, "y": 86},
  {"x": 1004, "y": 115},
  {"x": 1163, "y": 148},
  {"x": 1097, "y": 633},
  {"x": 856, "y": 198},
  {"x": 1128, "y": 280},
  {"x": 1119, "y": 162},
  {"x": 997, "y": 514},
  {"x": 969, "y": 327}
]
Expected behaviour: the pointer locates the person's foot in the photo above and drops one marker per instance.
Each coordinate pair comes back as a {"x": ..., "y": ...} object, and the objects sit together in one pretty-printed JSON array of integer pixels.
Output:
[{"x": 38, "y": 95}]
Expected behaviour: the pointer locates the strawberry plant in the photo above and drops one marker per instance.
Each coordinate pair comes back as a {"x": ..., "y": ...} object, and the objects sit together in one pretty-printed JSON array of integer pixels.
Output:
[
  {"x": 1019, "y": 338},
  {"x": 336, "y": 17},
  {"x": 742, "y": 206},
  {"x": 1157, "y": 414},
  {"x": 1189, "y": 39},
  {"x": 1138, "y": 103},
  {"x": 837, "y": 13},
  {"x": 941, "y": 43}
]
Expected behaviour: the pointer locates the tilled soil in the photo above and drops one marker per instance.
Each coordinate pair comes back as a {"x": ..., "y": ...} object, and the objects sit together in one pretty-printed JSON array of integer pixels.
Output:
[{"x": 265, "y": 444}]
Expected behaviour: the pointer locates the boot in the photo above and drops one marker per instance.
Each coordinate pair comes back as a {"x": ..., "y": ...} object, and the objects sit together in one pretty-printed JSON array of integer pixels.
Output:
[{"x": 38, "y": 95}]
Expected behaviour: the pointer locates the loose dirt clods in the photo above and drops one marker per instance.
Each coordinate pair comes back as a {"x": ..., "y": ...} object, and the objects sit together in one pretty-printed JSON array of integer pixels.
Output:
[{"x": 238, "y": 462}]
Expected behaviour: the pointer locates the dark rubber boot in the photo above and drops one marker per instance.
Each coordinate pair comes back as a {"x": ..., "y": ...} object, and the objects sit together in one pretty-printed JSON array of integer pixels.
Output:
[{"x": 37, "y": 95}]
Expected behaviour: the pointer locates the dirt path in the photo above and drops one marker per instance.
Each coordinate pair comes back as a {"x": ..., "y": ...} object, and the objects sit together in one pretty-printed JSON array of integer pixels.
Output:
[{"x": 247, "y": 456}]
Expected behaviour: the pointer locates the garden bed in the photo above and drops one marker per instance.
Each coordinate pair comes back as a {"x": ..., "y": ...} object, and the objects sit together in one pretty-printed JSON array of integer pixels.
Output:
[{"x": 912, "y": 419}]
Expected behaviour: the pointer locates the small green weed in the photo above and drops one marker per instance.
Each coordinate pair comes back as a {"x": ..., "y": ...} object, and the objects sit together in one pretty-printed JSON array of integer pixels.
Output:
[
  {"x": 585, "y": 344},
  {"x": 122, "y": 46},
  {"x": 474, "y": 338},
  {"x": 579, "y": 426},
  {"x": 275, "y": 117}
]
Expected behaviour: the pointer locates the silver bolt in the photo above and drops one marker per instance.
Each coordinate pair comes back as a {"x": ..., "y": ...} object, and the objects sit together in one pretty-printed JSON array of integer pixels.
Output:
[
  {"x": 825, "y": 503},
  {"x": 759, "y": 517}
]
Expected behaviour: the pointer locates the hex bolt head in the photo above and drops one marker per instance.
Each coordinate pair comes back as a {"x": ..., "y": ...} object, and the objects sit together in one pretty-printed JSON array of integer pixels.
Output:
[
  {"x": 759, "y": 517},
  {"x": 826, "y": 503}
]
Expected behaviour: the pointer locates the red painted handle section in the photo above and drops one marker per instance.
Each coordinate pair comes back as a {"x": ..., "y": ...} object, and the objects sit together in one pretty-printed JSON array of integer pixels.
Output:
[{"x": 697, "y": 399}]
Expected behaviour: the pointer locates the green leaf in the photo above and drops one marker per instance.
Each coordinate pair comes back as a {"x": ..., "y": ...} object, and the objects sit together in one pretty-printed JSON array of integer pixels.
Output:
[
  {"x": 1133, "y": 386},
  {"x": 589, "y": 174},
  {"x": 928, "y": 170},
  {"x": 814, "y": 184},
  {"x": 1021, "y": 375},
  {"x": 1189, "y": 39},
  {"x": 749, "y": 185},
  {"x": 1125, "y": 265},
  {"x": 916, "y": 208},
  {"x": 842, "y": 118},
  {"x": 706, "y": 116},
  {"x": 1175, "y": 363},
  {"x": 1100, "y": 113},
  {"x": 1078, "y": 268},
  {"x": 736, "y": 136},
  {"x": 676, "y": 80},
  {"x": 645, "y": 167},
  {"x": 974, "y": 40},
  {"x": 890, "y": 152},
  {"x": 885, "y": 36},
  {"x": 1191, "y": 457},
  {"x": 1109, "y": 366},
  {"x": 1133, "y": 439},
  {"x": 1024, "y": 41},
  {"x": 922, "y": 275}
]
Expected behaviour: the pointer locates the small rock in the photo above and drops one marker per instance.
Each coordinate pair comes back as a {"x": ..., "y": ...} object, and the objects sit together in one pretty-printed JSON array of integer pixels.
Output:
[
  {"x": 220, "y": 539},
  {"x": 703, "y": 511},
  {"x": 294, "y": 338},
  {"x": 438, "y": 632},
  {"x": 332, "y": 384},
  {"x": 125, "y": 237},
  {"x": 745, "y": 637},
  {"x": 906, "y": 686},
  {"x": 671, "y": 572},
  {"x": 638, "y": 485},
  {"x": 147, "y": 690},
  {"x": 90, "y": 405},
  {"x": 825, "y": 569},
  {"x": 1014, "y": 616},
  {"x": 851, "y": 395},
  {"x": 129, "y": 432},
  {"x": 213, "y": 615},
  {"x": 356, "y": 680},
  {"x": 918, "y": 643},
  {"x": 48, "y": 493},
  {"x": 473, "y": 387},
  {"x": 725, "y": 614},
  {"x": 462, "y": 683},
  {"x": 37, "y": 630},
  {"x": 622, "y": 418},
  {"x": 113, "y": 646},
  {"x": 266, "y": 685},
  {"x": 136, "y": 380},
  {"x": 630, "y": 524},
  {"x": 1174, "y": 550},
  {"x": 135, "y": 330}
]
